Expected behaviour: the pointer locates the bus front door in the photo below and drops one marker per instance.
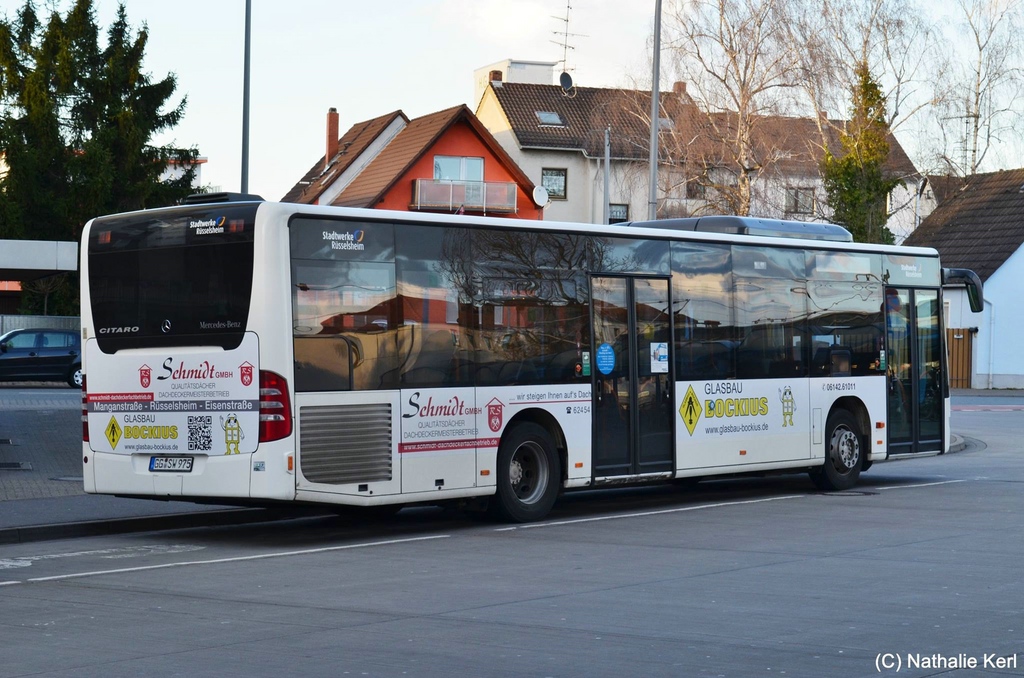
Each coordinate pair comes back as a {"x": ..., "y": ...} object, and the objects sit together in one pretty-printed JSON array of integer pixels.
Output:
[
  {"x": 915, "y": 370},
  {"x": 632, "y": 380}
]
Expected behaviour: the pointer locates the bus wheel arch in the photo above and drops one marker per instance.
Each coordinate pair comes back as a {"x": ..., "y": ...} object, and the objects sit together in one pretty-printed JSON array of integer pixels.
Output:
[
  {"x": 530, "y": 467},
  {"x": 846, "y": 446}
]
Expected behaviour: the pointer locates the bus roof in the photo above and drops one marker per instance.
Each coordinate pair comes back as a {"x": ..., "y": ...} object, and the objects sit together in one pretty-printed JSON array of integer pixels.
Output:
[{"x": 775, "y": 228}]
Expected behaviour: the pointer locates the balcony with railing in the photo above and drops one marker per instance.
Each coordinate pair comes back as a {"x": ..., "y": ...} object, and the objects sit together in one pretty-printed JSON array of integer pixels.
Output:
[{"x": 497, "y": 197}]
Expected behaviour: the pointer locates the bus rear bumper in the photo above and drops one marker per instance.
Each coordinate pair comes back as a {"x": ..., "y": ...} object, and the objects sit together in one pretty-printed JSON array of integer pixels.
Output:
[{"x": 219, "y": 476}]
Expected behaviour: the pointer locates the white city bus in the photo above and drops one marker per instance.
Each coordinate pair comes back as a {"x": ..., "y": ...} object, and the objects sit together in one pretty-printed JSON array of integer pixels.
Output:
[{"x": 252, "y": 352}]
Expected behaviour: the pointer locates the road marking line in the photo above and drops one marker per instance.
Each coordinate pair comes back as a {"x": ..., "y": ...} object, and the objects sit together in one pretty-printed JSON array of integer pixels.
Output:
[
  {"x": 904, "y": 487},
  {"x": 8, "y": 583},
  {"x": 650, "y": 513},
  {"x": 112, "y": 553},
  {"x": 238, "y": 559}
]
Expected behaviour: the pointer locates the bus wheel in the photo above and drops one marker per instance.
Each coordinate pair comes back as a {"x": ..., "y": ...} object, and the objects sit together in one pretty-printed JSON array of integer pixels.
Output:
[
  {"x": 527, "y": 474},
  {"x": 845, "y": 455}
]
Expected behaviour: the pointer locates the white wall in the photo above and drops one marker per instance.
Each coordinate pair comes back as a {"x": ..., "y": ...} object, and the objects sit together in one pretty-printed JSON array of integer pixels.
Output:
[
  {"x": 907, "y": 210},
  {"x": 998, "y": 358},
  {"x": 176, "y": 171}
]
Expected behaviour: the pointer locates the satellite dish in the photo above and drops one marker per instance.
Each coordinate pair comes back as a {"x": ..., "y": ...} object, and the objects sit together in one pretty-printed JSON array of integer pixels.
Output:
[
  {"x": 540, "y": 196},
  {"x": 565, "y": 80}
]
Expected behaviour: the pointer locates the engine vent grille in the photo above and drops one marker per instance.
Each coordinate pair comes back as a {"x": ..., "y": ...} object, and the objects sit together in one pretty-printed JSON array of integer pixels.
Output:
[{"x": 344, "y": 444}]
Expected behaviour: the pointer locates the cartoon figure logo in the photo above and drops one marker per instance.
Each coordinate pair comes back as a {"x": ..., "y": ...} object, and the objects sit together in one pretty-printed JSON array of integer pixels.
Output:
[
  {"x": 788, "y": 406},
  {"x": 494, "y": 414},
  {"x": 145, "y": 372},
  {"x": 245, "y": 372},
  {"x": 233, "y": 434}
]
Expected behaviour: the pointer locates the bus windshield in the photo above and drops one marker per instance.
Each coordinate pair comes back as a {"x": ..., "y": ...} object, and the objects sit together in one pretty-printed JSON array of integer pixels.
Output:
[{"x": 180, "y": 277}]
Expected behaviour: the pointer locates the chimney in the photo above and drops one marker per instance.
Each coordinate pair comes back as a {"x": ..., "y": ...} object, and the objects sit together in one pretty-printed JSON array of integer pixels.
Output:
[
  {"x": 495, "y": 78},
  {"x": 332, "y": 136},
  {"x": 679, "y": 87},
  {"x": 823, "y": 116}
]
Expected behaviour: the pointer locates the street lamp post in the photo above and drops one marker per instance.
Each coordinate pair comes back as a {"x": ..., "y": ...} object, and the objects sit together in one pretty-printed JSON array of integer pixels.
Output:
[
  {"x": 245, "y": 100},
  {"x": 652, "y": 201}
]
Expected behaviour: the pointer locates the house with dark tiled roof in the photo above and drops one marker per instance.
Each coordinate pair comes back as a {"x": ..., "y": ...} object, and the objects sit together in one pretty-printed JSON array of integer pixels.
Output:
[
  {"x": 979, "y": 224},
  {"x": 443, "y": 162},
  {"x": 558, "y": 137}
]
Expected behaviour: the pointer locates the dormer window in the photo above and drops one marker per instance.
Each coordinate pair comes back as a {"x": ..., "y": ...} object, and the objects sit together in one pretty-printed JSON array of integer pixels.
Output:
[{"x": 550, "y": 119}]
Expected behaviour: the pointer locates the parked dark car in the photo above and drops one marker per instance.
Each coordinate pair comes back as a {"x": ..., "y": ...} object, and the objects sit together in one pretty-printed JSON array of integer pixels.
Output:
[{"x": 41, "y": 355}]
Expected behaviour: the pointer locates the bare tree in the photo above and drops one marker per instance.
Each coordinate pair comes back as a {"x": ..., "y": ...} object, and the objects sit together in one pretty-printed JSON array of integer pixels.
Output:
[
  {"x": 833, "y": 38},
  {"x": 898, "y": 45},
  {"x": 981, "y": 106},
  {"x": 739, "y": 68},
  {"x": 44, "y": 287}
]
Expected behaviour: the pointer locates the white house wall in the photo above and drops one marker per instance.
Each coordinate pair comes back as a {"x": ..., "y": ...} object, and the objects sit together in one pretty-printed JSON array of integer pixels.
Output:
[
  {"x": 998, "y": 359},
  {"x": 907, "y": 210}
]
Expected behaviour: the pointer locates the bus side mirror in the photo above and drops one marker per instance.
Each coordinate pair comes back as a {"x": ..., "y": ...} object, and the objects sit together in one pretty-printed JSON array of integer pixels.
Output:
[{"x": 967, "y": 277}]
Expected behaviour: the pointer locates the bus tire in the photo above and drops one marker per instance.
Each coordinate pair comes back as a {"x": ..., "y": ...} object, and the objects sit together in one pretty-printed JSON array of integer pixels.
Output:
[
  {"x": 844, "y": 455},
  {"x": 528, "y": 474}
]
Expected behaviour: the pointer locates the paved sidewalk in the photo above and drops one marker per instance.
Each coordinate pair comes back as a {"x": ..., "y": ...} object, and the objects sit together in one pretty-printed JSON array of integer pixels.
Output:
[{"x": 41, "y": 495}]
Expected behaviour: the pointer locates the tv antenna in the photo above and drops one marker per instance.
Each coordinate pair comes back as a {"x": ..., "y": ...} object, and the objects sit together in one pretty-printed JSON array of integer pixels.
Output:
[{"x": 565, "y": 80}]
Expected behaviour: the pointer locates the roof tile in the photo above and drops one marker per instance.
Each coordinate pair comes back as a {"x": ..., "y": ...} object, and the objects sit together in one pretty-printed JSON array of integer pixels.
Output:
[
  {"x": 350, "y": 146},
  {"x": 980, "y": 226},
  {"x": 789, "y": 145}
]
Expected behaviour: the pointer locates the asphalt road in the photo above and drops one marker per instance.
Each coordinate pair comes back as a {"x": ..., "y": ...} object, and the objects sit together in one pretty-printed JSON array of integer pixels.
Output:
[{"x": 760, "y": 577}]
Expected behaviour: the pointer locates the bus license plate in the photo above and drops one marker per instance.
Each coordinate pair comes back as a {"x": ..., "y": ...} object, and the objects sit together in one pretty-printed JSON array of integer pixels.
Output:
[{"x": 175, "y": 464}]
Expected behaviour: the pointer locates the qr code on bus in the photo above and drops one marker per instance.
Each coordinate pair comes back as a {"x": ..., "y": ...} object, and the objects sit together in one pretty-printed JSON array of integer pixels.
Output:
[{"x": 200, "y": 433}]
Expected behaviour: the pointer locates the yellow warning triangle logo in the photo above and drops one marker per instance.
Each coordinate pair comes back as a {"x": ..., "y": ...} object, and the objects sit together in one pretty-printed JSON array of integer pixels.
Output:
[
  {"x": 690, "y": 410},
  {"x": 113, "y": 432}
]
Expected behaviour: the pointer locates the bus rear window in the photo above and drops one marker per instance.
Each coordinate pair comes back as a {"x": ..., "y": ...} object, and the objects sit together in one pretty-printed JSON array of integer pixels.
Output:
[{"x": 177, "y": 277}]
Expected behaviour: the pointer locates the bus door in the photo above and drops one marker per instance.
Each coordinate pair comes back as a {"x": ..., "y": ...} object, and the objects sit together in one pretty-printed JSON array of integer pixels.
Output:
[
  {"x": 632, "y": 380},
  {"x": 915, "y": 370}
]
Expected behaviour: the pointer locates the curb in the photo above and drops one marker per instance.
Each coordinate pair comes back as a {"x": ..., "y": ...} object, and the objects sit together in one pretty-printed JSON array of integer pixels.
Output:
[
  {"x": 93, "y": 528},
  {"x": 956, "y": 443}
]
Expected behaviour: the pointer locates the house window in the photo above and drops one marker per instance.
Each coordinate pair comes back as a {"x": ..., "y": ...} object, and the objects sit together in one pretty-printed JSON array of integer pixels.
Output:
[
  {"x": 799, "y": 201},
  {"x": 696, "y": 190},
  {"x": 675, "y": 183},
  {"x": 554, "y": 180},
  {"x": 725, "y": 177},
  {"x": 454, "y": 168},
  {"x": 550, "y": 119},
  {"x": 617, "y": 213}
]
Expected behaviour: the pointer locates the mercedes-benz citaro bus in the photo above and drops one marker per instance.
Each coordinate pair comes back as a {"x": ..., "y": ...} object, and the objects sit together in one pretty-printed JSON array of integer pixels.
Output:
[{"x": 243, "y": 351}]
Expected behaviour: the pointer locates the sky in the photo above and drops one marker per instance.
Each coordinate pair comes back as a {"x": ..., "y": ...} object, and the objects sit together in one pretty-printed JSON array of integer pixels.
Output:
[{"x": 363, "y": 58}]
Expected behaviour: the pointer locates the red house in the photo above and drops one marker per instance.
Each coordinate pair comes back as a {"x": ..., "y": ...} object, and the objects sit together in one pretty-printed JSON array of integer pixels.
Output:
[{"x": 444, "y": 162}]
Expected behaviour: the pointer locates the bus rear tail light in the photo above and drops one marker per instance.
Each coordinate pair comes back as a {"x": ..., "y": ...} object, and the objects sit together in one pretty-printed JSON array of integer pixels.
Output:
[
  {"x": 275, "y": 407},
  {"x": 85, "y": 413}
]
